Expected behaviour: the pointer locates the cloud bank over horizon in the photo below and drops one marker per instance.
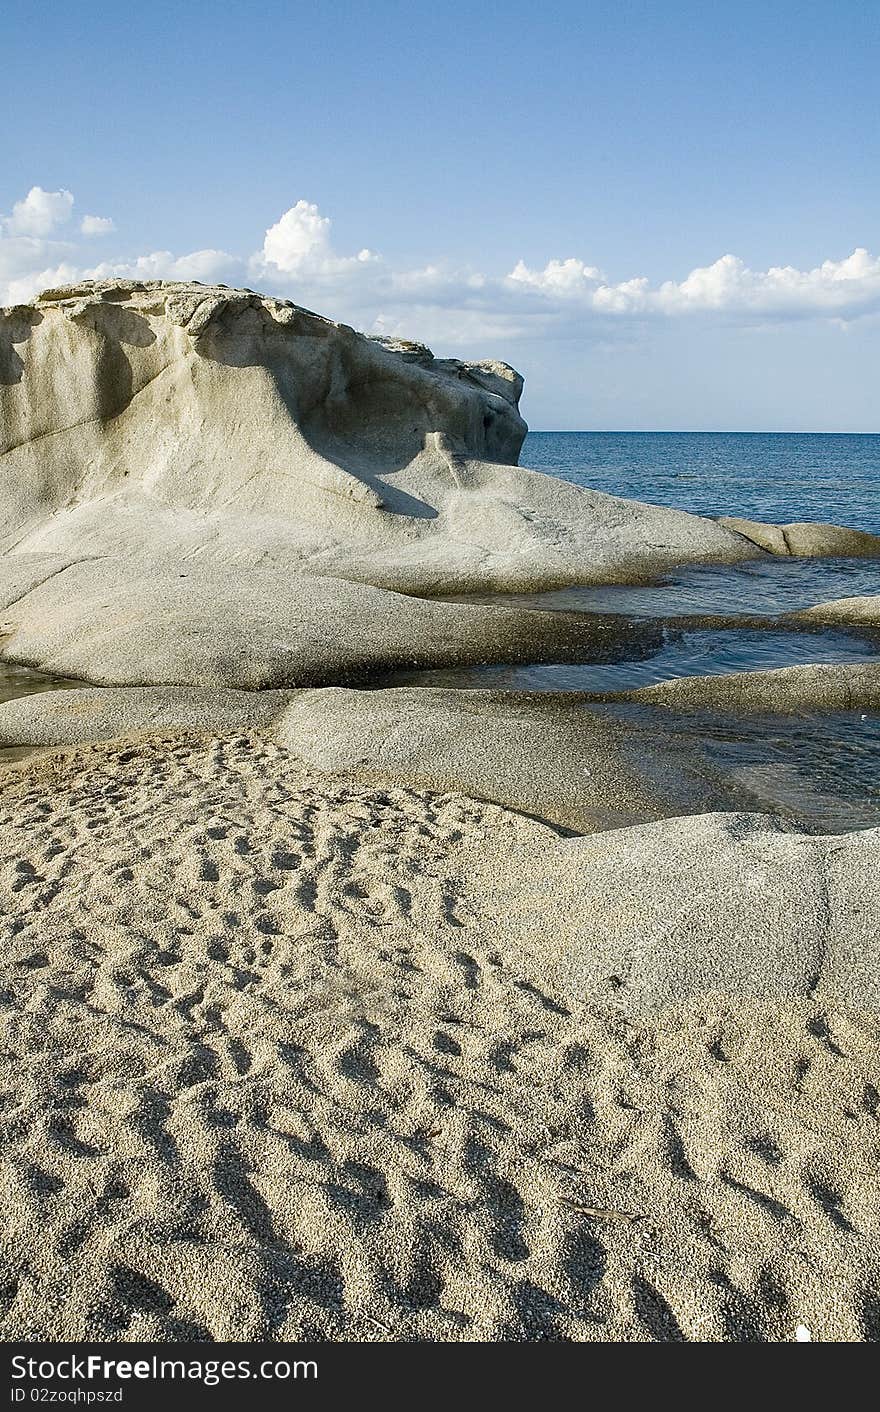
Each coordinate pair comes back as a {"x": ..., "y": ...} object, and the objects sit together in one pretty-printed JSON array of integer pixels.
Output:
[{"x": 42, "y": 246}]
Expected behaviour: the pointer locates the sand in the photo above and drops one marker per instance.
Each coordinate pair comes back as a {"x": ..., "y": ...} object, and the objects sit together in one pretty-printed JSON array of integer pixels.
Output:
[{"x": 274, "y": 1067}]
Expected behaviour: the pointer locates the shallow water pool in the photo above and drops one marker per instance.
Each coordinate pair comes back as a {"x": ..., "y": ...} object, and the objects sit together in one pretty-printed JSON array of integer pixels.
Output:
[
  {"x": 820, "y": 771},
  {"x": 25, "y": 681},
  {"x": 756, "y": 587},
  {"x": 689, "y": 653}
]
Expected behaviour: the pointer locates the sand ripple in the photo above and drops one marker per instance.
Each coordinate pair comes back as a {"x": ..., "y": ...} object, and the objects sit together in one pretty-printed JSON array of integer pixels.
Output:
[{"x": 269, "y": 1072}]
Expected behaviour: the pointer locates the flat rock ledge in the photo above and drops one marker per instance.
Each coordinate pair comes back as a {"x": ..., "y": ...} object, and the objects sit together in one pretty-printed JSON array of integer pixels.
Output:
[
  {"x": 859, "y": 612},
  {"x": 542, "y": 755},
  {"x": 851, "y": 686},
  {"x": 118, "y": 624},
  {"x": 553, "y": 756}
]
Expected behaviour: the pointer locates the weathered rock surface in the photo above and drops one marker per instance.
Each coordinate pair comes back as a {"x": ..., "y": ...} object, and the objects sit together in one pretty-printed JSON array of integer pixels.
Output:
[
  {"x": 184, "y": 421},
  {"x": 858, "y": 611},
  {"x": 115, "y": 624},
  {"x": 542, "y": 754},
  {"x": 805, "y": 539},
  {"x": 84, "y": 714},
  {"x": 823, "y": 686},
  {"x": 178, "y": 430},
  {"x": 733, "y": 903}
]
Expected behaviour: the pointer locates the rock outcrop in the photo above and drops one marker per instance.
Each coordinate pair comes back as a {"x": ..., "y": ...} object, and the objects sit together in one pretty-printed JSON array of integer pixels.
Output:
[
  {"x": 814, "y": 686},
  {"x": 538, "y": 754},
  {"x": 734, "y": 903},
  {"x": 179, "y": 421},
  {"x": 857, "y": 612},
  {"x": 197, "y": 439},
  {"x": 84, "y": 714},
  {"x": 558, "y": 757},
  {"x": 543, "y": 754}
]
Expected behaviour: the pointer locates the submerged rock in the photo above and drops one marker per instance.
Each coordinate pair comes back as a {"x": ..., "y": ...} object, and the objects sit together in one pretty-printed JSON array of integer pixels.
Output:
[{"x": 805, "y": 539}]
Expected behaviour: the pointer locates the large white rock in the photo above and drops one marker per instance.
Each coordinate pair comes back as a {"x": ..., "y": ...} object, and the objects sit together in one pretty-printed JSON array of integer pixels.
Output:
[
  {"x": 806, "y": 539},
  {"x": 731, "y": 903},
  {"x": 181, "y": 421}
]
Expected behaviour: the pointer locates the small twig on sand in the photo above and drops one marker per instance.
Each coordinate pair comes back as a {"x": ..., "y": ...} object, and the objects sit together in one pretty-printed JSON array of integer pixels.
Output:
[{"x": 370, "y": 1320}]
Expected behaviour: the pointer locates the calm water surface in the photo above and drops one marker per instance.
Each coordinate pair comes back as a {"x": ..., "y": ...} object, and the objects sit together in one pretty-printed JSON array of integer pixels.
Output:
[{"x": 764, "y": 476}]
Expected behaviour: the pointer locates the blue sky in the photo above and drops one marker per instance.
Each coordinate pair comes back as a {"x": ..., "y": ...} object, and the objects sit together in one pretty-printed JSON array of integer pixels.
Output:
[{"x": 651, "y": 209}]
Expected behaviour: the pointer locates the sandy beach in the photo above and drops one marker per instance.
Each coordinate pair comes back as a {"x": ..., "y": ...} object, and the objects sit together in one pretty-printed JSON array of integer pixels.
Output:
[{"x": 272, "y": 1069}]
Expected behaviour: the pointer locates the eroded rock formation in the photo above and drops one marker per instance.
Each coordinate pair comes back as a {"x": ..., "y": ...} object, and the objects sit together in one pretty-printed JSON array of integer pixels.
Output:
[{"x": 174, "y": 421}]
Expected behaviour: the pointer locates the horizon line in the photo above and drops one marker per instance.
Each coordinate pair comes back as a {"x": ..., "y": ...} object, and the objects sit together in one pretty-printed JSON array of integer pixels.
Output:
[{"x": 683, "y": 431}]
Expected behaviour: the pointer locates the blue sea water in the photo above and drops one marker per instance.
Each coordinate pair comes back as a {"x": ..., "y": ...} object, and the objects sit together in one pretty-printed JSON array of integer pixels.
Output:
[
  {"x": 779, "y": 477},
  {"x": 776, "y": 476}
]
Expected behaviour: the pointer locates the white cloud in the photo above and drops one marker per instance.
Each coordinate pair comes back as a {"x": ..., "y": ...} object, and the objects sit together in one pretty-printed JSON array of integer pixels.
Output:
[
  {"x": 23, "y": 288},
  {"x": 565, "y": 277},
  {"x": 39, "y": 213},
  {"x": 97, "y": 225},
  {"x": 207, "y": 266},
  {"x": 28, "y": 265},
  {"x": 845, "y": 287},
  {"x": 302, "y": 235},
  {"x": 566, "y": 298},
  {"x": 842, "y": 288},
  {"x": 299, "y": 243}
]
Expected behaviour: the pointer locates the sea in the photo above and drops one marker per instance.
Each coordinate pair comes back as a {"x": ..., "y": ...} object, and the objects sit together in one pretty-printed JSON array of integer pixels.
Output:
[{"x": 776, "y": 476}]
